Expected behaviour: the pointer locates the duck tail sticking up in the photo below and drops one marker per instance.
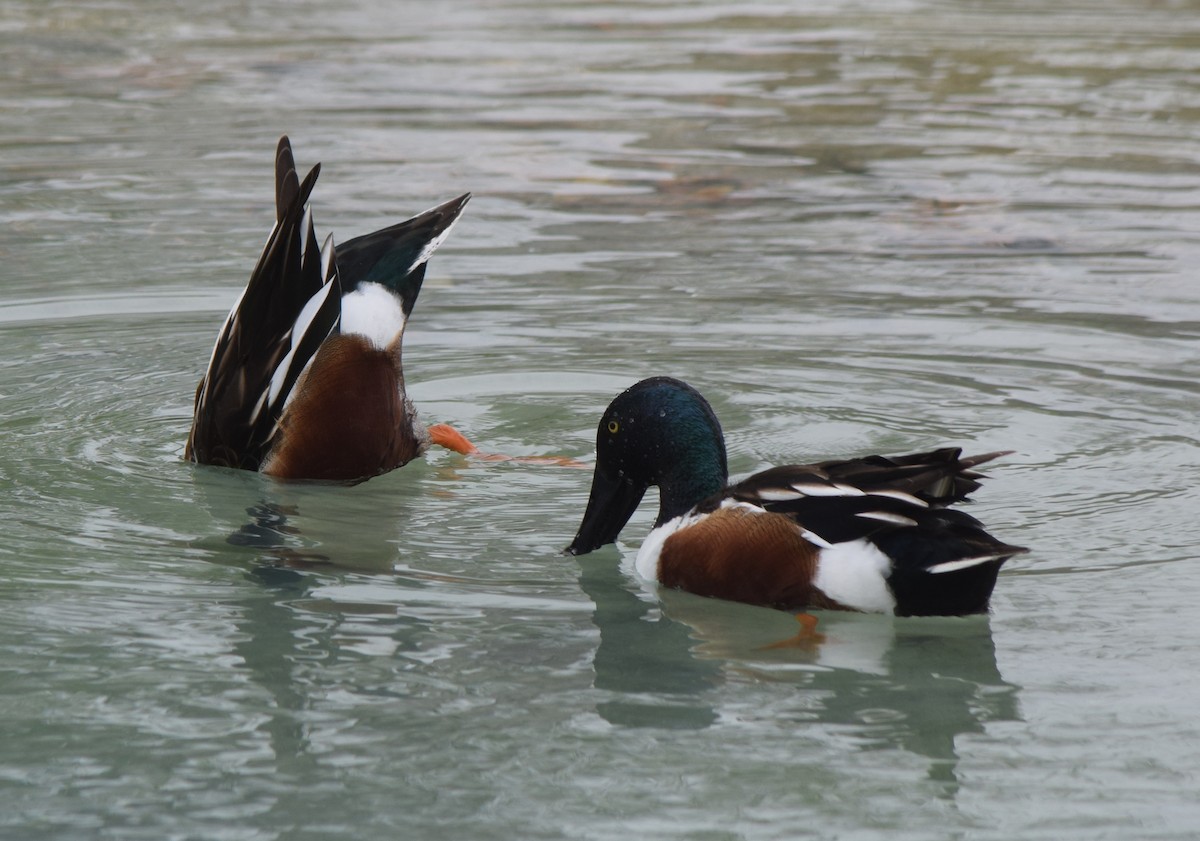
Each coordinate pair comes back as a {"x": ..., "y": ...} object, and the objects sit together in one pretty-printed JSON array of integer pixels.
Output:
[
  {"x": 290, "y": 305},
  {"x": 305, "y": 378}
]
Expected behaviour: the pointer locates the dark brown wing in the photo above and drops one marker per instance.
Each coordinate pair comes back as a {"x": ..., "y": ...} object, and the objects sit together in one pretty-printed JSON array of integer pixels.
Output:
[{"x": 290, "y": 305}]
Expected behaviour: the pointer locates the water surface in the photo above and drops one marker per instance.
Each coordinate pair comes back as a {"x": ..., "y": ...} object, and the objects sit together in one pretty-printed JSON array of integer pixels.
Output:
[{"x": 858, "y": 227}]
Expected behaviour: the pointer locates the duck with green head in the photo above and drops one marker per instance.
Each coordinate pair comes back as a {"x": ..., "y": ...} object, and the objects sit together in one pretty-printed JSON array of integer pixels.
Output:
[{"x": 868, "y": 534}]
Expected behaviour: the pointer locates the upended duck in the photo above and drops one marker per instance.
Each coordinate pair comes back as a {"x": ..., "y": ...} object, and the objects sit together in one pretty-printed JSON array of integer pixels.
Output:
[{"x": 305, "y": 379}]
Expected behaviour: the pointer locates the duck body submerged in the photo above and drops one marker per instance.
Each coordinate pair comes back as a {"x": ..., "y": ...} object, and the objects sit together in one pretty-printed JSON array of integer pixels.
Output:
[{"x": 305, "y": 379}]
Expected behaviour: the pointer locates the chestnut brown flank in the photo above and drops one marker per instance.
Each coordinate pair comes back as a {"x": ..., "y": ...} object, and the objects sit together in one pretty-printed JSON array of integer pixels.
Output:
[
  {"x": 737, "y": 554},
  {"x": 347, "y": 419}
]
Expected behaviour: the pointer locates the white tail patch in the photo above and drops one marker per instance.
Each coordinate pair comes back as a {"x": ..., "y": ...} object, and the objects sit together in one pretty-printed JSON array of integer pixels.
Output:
[
  {"x": 887, "y": 517},
  {"x": 964, "y": 563},
  {"x": 855, "y": 574},
  {"x": 373, "y": 311}
]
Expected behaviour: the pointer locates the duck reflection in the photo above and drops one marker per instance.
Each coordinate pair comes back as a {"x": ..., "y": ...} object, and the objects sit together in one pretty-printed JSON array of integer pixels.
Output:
[
  {"x": 269, "y": 630},
  {"x": 295, "y": 644},
  {"x": 916, "y": 684},
  {"x": 289, "y": 542},
  {"x": 316, "y": 525},
  {"x": 643, "y": 657},
  {"x": 270, "y": 532}
]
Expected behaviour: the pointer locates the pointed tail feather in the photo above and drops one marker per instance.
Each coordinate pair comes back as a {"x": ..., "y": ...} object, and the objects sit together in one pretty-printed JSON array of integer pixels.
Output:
[
  {"x": 396, "y": 256},
  {"x": 290, "y": 304},
  {"x": 946, "y": 565},
  {"x": 938, "y": 477}
]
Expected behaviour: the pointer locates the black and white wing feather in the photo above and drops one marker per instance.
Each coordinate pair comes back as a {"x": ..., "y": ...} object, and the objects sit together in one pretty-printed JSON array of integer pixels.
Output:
[
  {"x": 291, "y": 304},
  {"x": 847, "y": 500}
]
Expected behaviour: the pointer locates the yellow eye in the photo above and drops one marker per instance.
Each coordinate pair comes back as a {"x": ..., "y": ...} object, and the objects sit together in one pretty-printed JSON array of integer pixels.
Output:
[{"x": 613, "y": 427}]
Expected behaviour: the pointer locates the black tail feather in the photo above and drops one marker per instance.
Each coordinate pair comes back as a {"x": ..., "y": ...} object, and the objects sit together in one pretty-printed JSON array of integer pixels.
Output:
[
  {"x": 232, "y": 425},
  {"x": 945, "y": 565},
  {"x": 395, "y": 256},
  {"x": 938, "y": 477}
]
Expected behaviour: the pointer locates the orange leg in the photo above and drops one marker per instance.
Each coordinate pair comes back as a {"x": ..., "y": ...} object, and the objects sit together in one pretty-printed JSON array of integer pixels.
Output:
[
  {"x": 447, "y": 436},
  {"x": 807, "y": 637}
]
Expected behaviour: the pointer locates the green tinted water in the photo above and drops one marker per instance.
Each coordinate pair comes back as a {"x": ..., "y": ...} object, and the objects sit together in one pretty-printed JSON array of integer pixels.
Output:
[{"x": 857, "y": 227}]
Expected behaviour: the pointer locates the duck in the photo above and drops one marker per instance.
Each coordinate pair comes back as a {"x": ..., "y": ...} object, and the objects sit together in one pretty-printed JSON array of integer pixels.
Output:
[
  {"x": 871, "y": 534},
  {"x": 305, "y": 380}
]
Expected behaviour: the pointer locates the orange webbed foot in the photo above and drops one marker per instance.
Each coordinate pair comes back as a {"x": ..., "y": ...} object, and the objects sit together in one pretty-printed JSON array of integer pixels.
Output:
[{"x": 447, "y": 436}]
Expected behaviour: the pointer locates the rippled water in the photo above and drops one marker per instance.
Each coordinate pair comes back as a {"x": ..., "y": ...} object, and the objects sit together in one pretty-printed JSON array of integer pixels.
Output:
[{"x": 856, "y": 226}]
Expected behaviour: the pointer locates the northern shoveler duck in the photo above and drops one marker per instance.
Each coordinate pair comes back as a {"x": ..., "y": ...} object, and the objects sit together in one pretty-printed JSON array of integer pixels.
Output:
[
  {"x": 305, "y": 379},
  {"x": 868, "y": 534}
]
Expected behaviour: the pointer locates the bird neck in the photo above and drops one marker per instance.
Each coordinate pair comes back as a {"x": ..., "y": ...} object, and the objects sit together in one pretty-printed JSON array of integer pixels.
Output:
[{"x": 691, "y": 480}]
